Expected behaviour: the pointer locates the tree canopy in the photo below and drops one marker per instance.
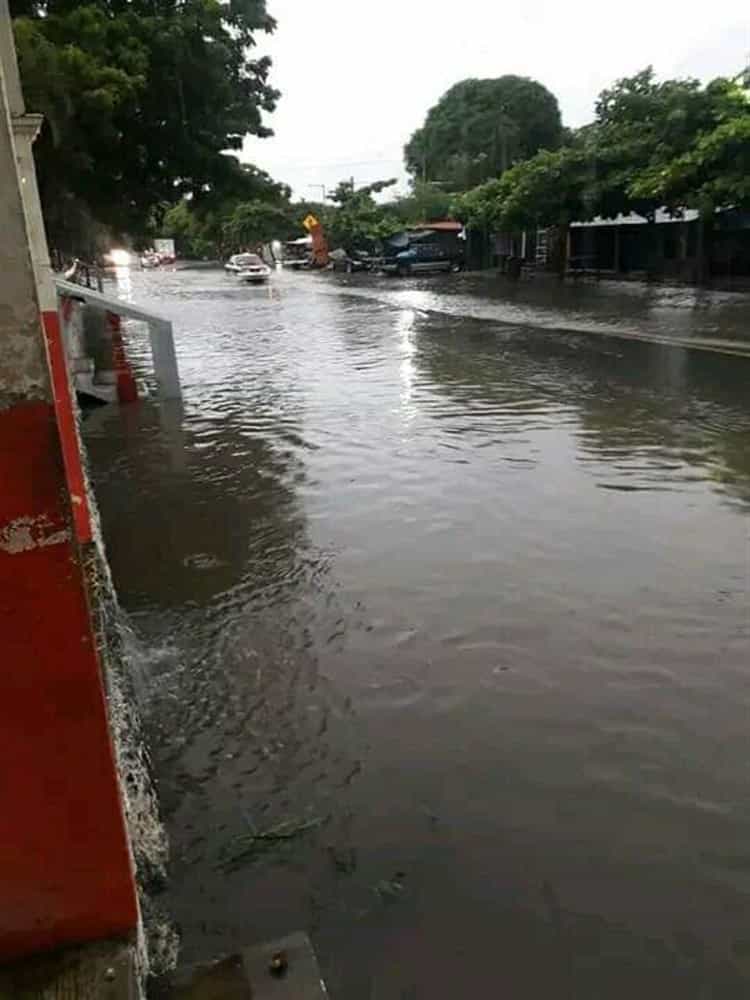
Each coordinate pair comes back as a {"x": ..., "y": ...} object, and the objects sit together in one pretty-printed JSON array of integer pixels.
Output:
[
  {"x": 696, "y": 149},
  {"x": 545, "y": 190},
  {"x": 141, "y": 100},
  {"x": 352, "y": 219},
  {"x": 426, "y": 202},
  {"x": 253, "y": 222},
  {"x": 357, "y": 219},
  {"x": 675, "y": 144},
  {"x": 479, "y": 128},
  {"x": 642, "y": 126},
  {"x": 715, "y": 173},
  {"x": 250, "y": 208}
]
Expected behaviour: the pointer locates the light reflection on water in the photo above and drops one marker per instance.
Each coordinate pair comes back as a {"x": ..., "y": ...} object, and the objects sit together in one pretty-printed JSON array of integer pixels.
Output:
[{"x": 441, "y": 570}]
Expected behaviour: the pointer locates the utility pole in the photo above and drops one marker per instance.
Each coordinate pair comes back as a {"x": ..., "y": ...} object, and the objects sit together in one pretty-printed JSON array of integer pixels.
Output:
[{"x": 322, "y": 188}]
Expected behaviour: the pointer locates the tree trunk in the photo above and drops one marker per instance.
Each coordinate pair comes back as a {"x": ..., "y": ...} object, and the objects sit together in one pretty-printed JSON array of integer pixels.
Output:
[
  {"x": 651, "y": 248},
  {"x": 703, "y": 249}
]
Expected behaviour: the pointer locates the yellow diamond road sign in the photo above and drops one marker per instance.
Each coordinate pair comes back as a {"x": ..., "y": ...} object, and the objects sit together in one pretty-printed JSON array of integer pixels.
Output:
[{"x": 310, "y": 223}]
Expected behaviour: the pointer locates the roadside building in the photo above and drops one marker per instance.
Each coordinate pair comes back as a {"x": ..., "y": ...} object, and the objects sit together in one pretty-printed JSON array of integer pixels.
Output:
[{"x": 679, "y": 247}]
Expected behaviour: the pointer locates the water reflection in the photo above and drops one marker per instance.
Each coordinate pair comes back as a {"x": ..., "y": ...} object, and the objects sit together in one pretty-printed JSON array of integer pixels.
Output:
[
  {"x": 190, "y": 525},
  {"x": 621, "y": 308},
  {"x": 649, "y": 416},
  {"x": 406, "y": 329}
]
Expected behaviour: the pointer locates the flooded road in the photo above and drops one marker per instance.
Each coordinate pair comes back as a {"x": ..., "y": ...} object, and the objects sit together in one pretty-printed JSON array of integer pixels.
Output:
[{"x": 441, "y": 592}]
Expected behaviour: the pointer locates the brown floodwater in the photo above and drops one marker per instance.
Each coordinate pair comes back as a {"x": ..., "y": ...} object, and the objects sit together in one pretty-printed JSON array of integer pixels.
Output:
[{"x": 440, "y": 590}]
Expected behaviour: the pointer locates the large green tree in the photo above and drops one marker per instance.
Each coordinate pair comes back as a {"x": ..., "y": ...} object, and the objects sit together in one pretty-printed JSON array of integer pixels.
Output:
[
  {"x": 711, "y": 173},
  {"x": 479, "y": 128},
  {"x": 675, "y": 144},
  {"x": 141, "y": 99},
  {"x": 714, "y": 174},
  {"x": 643, "y": 125}
]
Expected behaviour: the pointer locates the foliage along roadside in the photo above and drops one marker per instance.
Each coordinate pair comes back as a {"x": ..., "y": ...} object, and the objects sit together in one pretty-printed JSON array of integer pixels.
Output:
[
  {"x": 352, "y": 218},
  {"x": 141, "y": 101},
  {"x": 675, "y": 144}
]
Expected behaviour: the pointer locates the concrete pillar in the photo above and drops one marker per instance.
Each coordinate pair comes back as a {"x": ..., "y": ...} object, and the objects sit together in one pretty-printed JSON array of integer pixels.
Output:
[
  {"x": 25, "y": 130},
  {"x": 165, "y": 359},
  {"x": 74, "y": 339},
  {"x": 684, "y": 268},
  {"x": 65, "y": 866},
  {"x": 9, "y": 63}
]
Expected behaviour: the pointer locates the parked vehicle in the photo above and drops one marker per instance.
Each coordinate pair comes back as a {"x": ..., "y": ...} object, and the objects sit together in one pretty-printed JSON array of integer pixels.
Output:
[
  {"x": 297, "y": 254},
  {"x": 356, "y": 260},
  {"x": 148, "y": 260},
  {"x": 165, "y": 250},
  {"x": 432, "y": 247}
]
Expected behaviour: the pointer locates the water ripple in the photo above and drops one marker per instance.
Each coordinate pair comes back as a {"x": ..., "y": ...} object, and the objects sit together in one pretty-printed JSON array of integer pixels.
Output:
[{"x": 455, "y": 575}]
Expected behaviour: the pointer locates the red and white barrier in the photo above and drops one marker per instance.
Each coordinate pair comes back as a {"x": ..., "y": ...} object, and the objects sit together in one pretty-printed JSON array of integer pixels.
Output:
[
  {"x": 127, "y": 390},
  {"x": 65, "y": 866}
]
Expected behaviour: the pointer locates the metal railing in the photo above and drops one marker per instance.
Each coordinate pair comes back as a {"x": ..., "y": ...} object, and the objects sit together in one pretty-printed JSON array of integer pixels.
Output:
[{"x": 161, "y": 335}]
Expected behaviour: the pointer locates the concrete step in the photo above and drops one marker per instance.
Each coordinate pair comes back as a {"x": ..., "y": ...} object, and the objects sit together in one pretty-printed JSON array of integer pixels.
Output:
[
  {"x": 286, "y": 969},
  {"x": 90, "y": 385},
  {"x": 102, "y": 971}
]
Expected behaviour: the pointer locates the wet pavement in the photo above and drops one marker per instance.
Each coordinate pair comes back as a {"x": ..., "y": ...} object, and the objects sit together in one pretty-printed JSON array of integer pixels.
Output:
[{"x": 440, "y": 599}]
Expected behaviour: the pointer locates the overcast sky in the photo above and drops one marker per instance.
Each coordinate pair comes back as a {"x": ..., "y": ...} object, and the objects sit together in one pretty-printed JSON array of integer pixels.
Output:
[{"x": 357, "y": 76}]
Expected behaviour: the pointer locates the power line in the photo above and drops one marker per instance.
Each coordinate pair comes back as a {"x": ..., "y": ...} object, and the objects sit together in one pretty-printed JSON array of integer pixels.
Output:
[{"x": 340, "y": 163}]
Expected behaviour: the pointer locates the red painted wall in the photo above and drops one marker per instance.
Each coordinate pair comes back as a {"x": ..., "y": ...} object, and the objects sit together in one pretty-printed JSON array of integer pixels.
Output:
[{"x": 65, "y": 870}]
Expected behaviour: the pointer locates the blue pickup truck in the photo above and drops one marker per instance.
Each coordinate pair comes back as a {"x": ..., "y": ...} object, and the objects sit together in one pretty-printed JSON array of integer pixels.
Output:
[{"x": 436, "y": 247}]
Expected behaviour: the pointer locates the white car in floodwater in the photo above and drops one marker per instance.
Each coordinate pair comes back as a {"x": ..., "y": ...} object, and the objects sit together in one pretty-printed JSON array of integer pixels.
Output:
[
  {"x": 253, "y": 270},
  {"x": 248, "y": 264},
  {"x": 234, "y": 264}
]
